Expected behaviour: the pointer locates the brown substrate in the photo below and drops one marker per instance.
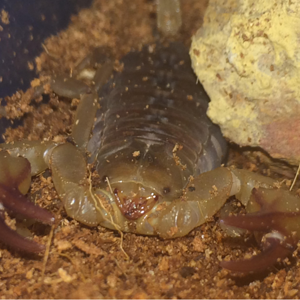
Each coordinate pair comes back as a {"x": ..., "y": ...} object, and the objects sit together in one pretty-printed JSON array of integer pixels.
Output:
[{"x": 88, "y": 262}]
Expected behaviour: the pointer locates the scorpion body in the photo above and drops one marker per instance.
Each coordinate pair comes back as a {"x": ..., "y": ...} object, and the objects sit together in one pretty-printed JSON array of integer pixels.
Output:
[
  {"x": 156, "y": 151},
  {"x": 152, "y": 132}
]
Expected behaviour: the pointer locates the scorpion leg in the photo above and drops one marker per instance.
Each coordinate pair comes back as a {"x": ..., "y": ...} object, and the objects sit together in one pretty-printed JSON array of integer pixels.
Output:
[
  {"x": 84, "y": 119},
  {"x": 71, "y": 87},
  {"x": 88, "y": 106},
  {"x": 15, "y": 178}
]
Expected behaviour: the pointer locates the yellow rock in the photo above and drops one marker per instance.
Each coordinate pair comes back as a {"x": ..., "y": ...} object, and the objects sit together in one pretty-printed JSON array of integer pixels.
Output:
[{"x": 247, "y": 56}]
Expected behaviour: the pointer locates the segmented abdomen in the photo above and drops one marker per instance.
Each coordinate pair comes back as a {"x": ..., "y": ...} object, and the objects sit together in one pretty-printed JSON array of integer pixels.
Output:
[{"x": 153, "y": 115}]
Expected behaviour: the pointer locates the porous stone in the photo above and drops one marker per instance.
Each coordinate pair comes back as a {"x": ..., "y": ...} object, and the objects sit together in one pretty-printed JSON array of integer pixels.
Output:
[{"x": 247, "y": 56}]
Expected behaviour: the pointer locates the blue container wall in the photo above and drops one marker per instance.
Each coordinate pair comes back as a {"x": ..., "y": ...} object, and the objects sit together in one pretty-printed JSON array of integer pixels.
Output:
[{"x": 30, "y": 23}]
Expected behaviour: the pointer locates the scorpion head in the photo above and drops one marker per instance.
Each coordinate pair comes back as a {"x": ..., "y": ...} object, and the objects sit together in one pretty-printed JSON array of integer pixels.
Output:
[{"x": 141, "y": 178}]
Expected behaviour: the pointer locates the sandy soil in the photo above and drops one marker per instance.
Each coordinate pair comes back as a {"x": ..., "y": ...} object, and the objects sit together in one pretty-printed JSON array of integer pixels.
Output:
[{"x": 88, "y": 262}]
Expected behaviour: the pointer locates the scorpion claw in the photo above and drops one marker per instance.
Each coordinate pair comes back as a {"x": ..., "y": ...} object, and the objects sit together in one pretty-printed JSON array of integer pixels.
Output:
[
  {"x": 15, "y": 177},
  {"x": 251, "y": 221},
  {"x": 279, "y": 222},
  {"x": 267, "y": 258},
  {"x": 16, "y": 241},
  {"x": 14, "y": 201}
]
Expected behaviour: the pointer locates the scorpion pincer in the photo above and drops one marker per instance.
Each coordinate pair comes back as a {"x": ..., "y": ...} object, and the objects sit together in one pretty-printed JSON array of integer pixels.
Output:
[{"x": 157, "y": 153}]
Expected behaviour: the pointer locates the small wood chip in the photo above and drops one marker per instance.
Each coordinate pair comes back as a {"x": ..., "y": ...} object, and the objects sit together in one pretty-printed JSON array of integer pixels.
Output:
[
  {"x": 63, "y": 245},
  {"x": 65, "y": 276},
  {"x": 198, "y": 245},
  {"x": 88, "y": 248}
]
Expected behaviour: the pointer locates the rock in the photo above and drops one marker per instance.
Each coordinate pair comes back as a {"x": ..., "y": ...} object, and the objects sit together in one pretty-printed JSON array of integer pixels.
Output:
[{"x": 247, "y": 56}]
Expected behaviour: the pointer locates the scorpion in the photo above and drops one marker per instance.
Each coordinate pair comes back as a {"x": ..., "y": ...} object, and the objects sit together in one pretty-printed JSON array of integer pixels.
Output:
[{"x": 158, "y": 154}]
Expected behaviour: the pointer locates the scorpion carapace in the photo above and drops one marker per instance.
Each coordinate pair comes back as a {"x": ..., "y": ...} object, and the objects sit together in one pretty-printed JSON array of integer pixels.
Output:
[{"x": 155, "y": 132}]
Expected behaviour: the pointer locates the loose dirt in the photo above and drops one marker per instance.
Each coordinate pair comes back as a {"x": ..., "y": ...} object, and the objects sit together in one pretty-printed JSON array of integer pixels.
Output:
[{"x": 88, "y": 262}]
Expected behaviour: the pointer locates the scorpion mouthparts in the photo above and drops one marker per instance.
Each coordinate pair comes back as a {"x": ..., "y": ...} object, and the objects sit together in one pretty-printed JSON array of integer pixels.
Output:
[
  {"x": 136, "y": 201},
  {"x": 260, "y": 262}
]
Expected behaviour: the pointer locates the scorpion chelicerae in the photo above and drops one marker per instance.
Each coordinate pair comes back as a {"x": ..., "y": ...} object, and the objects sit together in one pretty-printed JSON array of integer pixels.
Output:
[{"x": 157, "y": 153}]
